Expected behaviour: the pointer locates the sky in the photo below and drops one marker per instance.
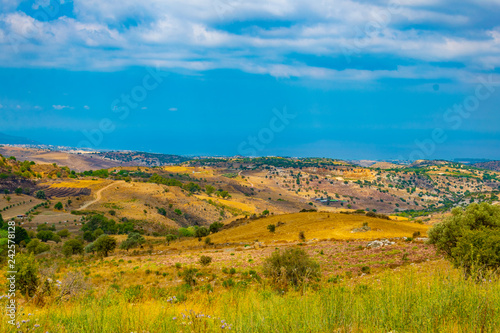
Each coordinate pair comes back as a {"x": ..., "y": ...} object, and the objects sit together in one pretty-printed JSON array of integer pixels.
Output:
[{"x": 344, "y": 79}]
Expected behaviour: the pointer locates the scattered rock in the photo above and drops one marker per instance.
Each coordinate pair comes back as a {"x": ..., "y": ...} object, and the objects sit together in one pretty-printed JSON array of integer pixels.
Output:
[{"x": 379, "y": 243}]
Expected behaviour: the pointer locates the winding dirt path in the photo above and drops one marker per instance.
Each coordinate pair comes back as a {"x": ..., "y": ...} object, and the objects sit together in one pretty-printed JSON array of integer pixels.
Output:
[
  {"x": 248, "y": 180},
  {"x": 97, "y": 196}
]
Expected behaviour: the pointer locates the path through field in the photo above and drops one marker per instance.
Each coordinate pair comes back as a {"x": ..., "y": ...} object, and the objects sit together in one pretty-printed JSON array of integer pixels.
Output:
[
  {"x": 248, "y": 180},
  {"x": 97, "y": 196}
]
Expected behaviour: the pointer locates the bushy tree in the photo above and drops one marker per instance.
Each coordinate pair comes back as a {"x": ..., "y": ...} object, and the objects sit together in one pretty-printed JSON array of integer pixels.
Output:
[
  {"x": 37, "y": 247},
  {"x": 169, "y": 238},
  {"x": 45, "y": 235},
  {"x": 215, "y": 227},
  {"x": 58, "y": 206},
  {"x": 209, "y": 189},
  {"x": 90, "y": 248},
  {"x": 292, "y": 266},
  {"x": 40, "y": 195},
  {"x": 468, "y": 237},
  {"x": 134, "y": 239},
  {"x": 27, "y": 279},
  {"x": 63, "y": 233},
  {"x": 21, "y": 235},
  {"x": 201, "y": 232},
  {"x": 88, "y": 236},
  {"x": 71, "y": 247},
  {"x": 104, "y": 245}
]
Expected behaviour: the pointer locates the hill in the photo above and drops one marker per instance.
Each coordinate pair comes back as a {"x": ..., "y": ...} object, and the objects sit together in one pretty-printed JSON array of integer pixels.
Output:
[
  {"x": 490, "y": 165},
  {"x": 318, "y": 226}
]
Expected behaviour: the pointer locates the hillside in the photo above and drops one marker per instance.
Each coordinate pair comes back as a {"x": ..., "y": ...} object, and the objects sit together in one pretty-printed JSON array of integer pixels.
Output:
[{"x": 491, "y": 165}]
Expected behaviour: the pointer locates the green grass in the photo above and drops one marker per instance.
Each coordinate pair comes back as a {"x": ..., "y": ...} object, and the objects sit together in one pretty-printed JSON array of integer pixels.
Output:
[{"x": 416, "y": 299}]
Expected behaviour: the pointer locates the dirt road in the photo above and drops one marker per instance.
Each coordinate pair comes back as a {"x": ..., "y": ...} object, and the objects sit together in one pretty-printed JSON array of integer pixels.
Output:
[{"x": 98, "y": 195}]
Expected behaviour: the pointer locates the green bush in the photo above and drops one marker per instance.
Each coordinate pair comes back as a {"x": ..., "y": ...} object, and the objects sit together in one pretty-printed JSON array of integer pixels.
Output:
[
  {"x": 290, "y": 267},
  {"x": 37, "y": 247},
  {"x": 71, "y": 247},
  {"x": 470, "y": 238},
  {"x": 27, "y": 279},
  {"x": 205, "y": 260},
  {"x": 104, "y": 244},
  {"x": 188, "y": 275}
]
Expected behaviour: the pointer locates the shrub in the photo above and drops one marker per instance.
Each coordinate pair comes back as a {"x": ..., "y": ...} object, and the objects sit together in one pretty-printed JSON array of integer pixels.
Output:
[
  {"x": 365, "y": 269},
  {"x": 470, "y": 239},
  {"x": 45, "y": 235},
  {"x": 416, "y": 234},
  {"x": 302, "y": 236},
  {"x": 228, "y": 283},
  {"x": 215, "y": 227},
  {"x": 188, "y": 275},
  {"x": 90, "y": 248},
  {"x": 201, "y": 232},
  {"x": 88, "y": 236},
  {"x": 134, "y": 239},
  {"x": 371, "y": 214},
  {"x": 271, "y": 228},
  {"x": 205, "y": 260},
  {"x": 58, "y": 206},
  {"x": 290, "y": 267},
  {"x": 27, "y": 278},
  {"x": 37, "y": 247},
  {"x": 170, "y": 238},
  {"x": 73, "y": 246},
  {"x": 63, "y": 233},
  {"x": 105, "y": 244}
]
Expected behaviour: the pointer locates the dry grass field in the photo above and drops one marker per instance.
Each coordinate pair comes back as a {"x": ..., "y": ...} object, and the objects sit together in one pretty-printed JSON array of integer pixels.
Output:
[
  {"x": 21, "y": 204},
  {"x": 318, "y": 226}
]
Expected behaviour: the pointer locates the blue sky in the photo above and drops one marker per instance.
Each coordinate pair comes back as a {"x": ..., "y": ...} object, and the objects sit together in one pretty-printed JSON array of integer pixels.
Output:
[{"x": 354, "y": 79}]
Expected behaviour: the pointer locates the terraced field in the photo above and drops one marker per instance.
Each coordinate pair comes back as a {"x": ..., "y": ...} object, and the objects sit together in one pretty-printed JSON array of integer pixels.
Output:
[{"x": 61, "y": 192}]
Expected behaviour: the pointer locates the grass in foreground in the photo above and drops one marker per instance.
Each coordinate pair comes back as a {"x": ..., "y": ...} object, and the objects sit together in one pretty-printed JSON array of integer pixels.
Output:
[{"x": 429, "y": 297}]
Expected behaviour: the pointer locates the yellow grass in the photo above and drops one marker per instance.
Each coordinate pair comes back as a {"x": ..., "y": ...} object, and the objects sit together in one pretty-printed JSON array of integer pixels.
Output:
[
  {"x": 318, "y": 225},
  {"x": 399, "y": 218},
  {"x": 77, "y": 183},
  {"x": 178, "y": 169},
  {"x": 238, "y": 205}
]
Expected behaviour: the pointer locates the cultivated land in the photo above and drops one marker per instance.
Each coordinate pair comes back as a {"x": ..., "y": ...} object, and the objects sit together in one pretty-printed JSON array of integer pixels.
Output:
[{"x": 332, "y": 210}]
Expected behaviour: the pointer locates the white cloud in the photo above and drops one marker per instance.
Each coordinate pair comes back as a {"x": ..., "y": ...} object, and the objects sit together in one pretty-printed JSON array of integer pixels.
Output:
[
  {"x": 189, "y": 34},
  {"x": 86, "y": 107},
  {"x": 1, "y": 106},
  {"x": 144, "y": 108},
  {"x": 61, "y": 107},
  {"x": 172, "y": 109}
]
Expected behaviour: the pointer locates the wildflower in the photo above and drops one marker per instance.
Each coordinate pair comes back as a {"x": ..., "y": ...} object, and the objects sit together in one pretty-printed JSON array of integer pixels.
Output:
[{"x": 174, "y": 318}]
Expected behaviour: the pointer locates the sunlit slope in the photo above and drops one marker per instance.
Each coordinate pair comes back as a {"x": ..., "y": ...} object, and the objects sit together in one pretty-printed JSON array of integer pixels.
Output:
[{"x": 317, "y": 225}]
